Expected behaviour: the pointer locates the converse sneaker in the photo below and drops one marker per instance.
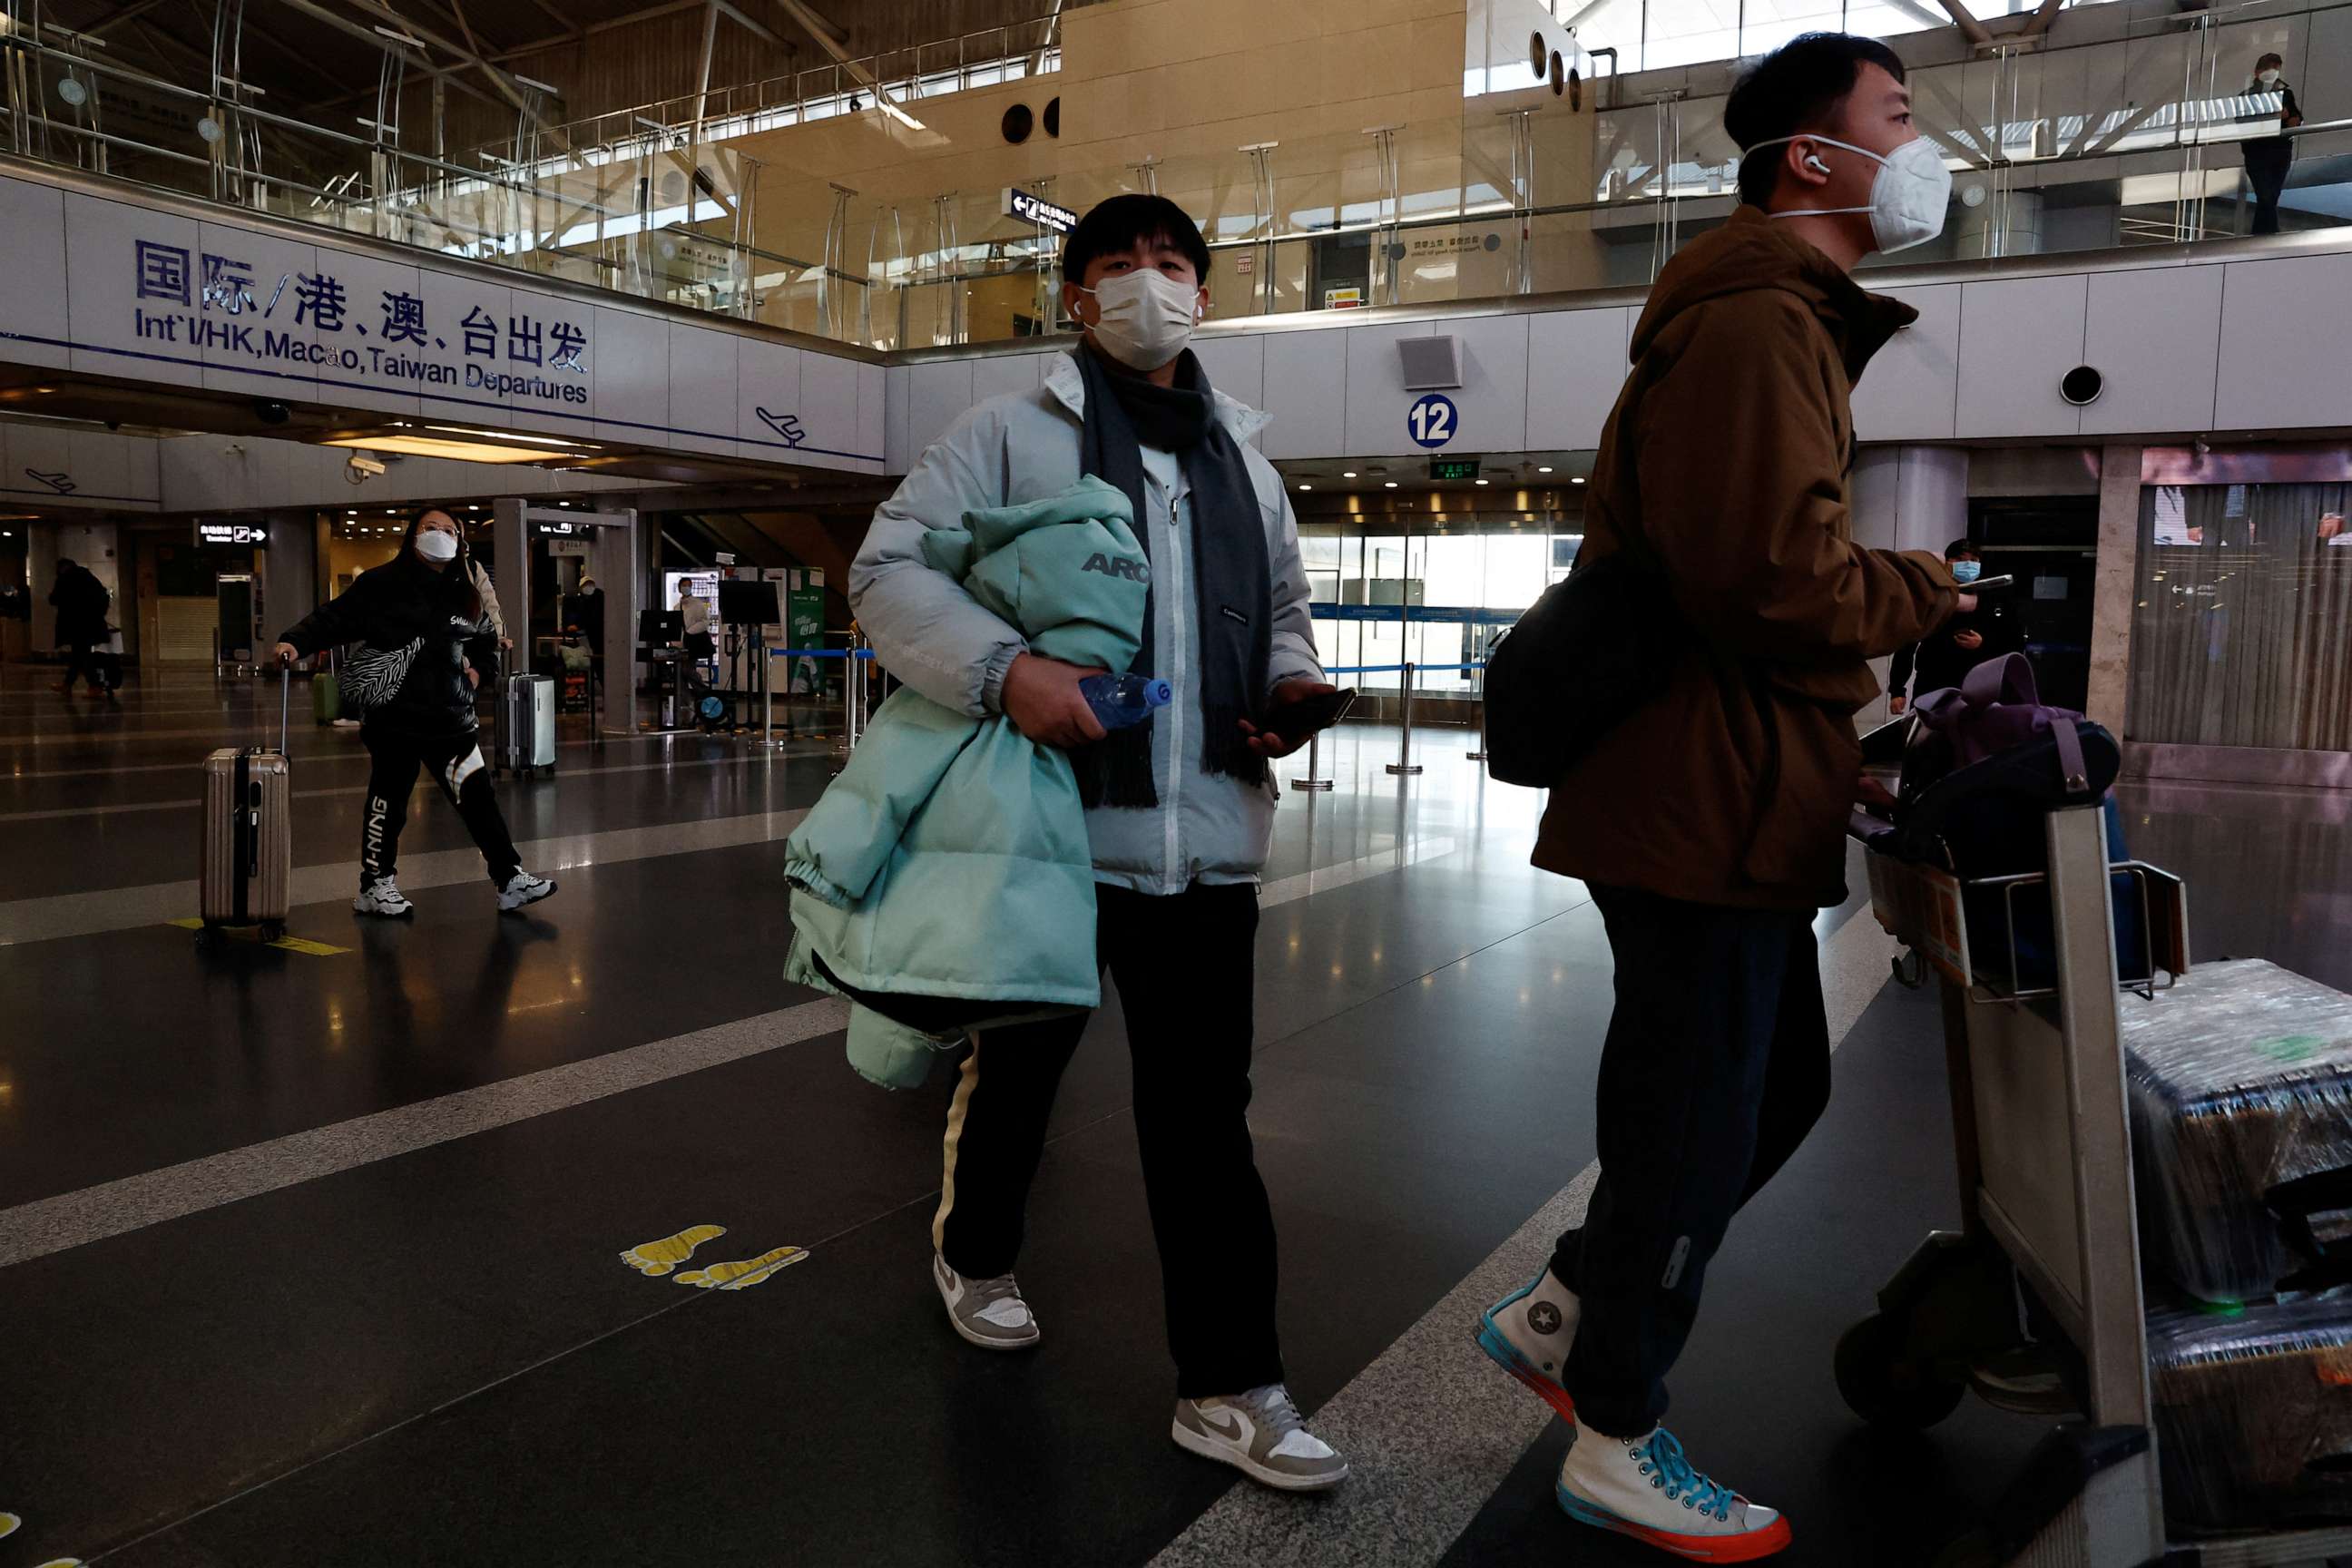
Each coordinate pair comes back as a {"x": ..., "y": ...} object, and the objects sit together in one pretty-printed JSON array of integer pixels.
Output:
[
  {"x": 1527, "y": 1333},
  {"x": 1644, "y": 1488},
  {"x": 1259, "y": 1434},
  {"x": 989, "y": 1312},
  {"x": 382, "y": 897},
  {"x": 521, "y": 889}
]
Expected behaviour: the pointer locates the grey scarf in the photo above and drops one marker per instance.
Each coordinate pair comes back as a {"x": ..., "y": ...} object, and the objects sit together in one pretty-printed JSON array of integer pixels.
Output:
[{"x": 1233, "y": 581}]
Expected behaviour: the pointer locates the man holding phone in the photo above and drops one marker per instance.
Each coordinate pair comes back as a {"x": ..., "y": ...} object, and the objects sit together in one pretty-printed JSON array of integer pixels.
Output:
[
  {"x": 1181, "y": 809},
  {"x": 1944, "y": 657}
]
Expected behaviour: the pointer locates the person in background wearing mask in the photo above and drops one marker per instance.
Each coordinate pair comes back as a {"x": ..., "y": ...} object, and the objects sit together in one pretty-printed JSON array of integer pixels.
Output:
[
  {"x": 416, "y": 616},
  {"x": 2270, "y": 158},
  {"x": 1944, "y": 658},
  {"x": 1709, "y": 824},
  {"x": 1181, "y": 816}
]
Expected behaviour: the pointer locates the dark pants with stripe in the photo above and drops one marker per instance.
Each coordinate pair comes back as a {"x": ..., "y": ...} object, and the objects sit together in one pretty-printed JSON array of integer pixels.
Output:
[
  {"x": 1715, "y": 1067},
  {"x": 456, "y": 765},
  {"x": 1185, "y": 968}
]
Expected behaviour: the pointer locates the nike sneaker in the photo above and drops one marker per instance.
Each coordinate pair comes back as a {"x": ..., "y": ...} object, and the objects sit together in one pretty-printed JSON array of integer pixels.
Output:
[
  {"x": 988, "y": 1313},
  {"x": 1261, "y": 1435}
]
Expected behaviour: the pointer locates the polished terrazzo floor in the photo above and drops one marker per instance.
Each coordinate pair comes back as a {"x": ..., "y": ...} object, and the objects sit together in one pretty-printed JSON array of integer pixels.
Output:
[{"x": 314, "y": 1255}]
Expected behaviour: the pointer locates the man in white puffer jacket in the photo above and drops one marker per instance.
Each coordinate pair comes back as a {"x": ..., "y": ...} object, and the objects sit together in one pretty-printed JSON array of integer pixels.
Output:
[{"x": 1180, "y": 810}]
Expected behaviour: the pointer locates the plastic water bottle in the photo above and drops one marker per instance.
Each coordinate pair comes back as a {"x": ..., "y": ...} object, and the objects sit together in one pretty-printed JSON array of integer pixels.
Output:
[{"x": 1120, "y": 700}]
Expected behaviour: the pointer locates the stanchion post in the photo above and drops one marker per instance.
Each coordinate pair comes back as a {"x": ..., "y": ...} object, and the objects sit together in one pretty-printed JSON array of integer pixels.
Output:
[
  {"x": 1478, "y": 700},
  {"x": 767, "y": 698},
  {"x": 1313, "y": 782},
  {"x": 1404, "y": 766}
]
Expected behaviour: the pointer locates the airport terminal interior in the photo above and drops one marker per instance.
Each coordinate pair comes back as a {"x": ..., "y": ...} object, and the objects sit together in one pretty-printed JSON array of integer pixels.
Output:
[{"x": 565, "y": 1233}]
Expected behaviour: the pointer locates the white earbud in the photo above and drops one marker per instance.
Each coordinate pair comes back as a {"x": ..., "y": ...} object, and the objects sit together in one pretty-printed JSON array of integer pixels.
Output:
[{"x": 1813, "y": 161}]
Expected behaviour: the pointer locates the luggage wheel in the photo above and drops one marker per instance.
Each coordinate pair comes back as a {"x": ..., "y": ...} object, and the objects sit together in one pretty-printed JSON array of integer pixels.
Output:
[
  {"x": 1910, "y": 968},
  {"x": 273, "y": 931}
]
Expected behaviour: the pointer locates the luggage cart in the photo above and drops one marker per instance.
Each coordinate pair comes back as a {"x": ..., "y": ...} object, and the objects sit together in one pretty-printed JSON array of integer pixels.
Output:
[{"x": 2045, "y": 1269}]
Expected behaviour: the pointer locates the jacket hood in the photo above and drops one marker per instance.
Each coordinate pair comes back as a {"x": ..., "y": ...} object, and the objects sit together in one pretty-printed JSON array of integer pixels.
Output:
[{"x": 1752, "y": 252}]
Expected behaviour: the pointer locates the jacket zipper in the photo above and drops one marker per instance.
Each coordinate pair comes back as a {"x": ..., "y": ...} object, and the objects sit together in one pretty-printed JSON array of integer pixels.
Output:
[{"x": 1170, "y": 799}]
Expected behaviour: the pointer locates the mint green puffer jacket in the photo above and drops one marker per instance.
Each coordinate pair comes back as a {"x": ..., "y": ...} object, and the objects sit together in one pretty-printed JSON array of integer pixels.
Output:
[{"x": 944, "y": 881}]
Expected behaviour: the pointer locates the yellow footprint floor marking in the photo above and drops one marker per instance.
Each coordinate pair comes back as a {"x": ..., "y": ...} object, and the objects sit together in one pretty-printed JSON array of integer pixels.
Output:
[
  {"x": 63, "y": 1563},
  {"x": 742, "y": 1276},
  {"x": 10, "y": 1524},
  {"x": 658, "y": 1257},
  {"x": 287, "y": 944}
]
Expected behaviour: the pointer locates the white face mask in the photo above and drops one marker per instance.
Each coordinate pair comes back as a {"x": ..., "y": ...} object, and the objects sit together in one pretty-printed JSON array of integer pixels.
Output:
[
  {"x": 435, "y": 545},
  {"x": 1146, "y": 317},
  {"x": 2268, "y": 79},
  {"x": 1909, "y": 198}
]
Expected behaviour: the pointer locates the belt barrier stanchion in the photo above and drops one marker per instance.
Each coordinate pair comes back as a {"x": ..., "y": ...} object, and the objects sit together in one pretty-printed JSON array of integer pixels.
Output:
[
  {"x": 1313, "y": 782},
  {"x": 1404, "y": 766},
  {"x": 1478, "y": 698},
  {"x": 768, "y": 697}
]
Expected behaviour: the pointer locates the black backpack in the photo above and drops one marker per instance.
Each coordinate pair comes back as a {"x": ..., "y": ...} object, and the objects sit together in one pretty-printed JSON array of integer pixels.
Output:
[{"x": 1594, "y": 648}]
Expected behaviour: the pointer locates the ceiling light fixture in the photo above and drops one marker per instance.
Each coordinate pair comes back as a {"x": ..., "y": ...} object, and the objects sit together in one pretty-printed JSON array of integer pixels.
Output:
[
  {"x": 1577, "y": 480},
  {"x": 1479, "y": 481},
  {"x": 1347, "y": 473},
  {"x": 1307, "y": 487},
  {"x": 1543, "y": 471},
  {"x": 444, "y": 447},
  {"x": 1390, "y": 483}
]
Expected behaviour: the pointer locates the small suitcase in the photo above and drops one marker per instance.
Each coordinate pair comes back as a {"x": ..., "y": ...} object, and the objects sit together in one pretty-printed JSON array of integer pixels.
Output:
[
  {"x": 326, "y": 694},
  {"x": 527, "y": 724},
  {"x": 249, "y": 847}
]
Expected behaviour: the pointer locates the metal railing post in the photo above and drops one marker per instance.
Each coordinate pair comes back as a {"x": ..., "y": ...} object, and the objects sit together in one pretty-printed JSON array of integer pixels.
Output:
[
  {"x": 767, "y": 697},
  {"x": 1313, "y": 782},
  {"x": 1478, "y": 699},
  {"x": 1404, "y": 766}
]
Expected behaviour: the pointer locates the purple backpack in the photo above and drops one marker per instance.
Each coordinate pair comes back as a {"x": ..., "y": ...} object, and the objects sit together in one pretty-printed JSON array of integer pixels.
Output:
[{"x": 1997, "y": 709}]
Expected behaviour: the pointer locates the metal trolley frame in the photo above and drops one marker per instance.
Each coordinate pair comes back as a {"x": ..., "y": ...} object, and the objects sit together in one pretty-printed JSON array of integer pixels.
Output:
[{"x": 2049, "y": 1233}]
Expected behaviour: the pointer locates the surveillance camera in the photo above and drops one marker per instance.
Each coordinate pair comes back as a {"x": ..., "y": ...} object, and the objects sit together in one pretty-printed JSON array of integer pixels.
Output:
[
  {"x": 271, "y": 412},
  {"x": 234, "y": 449},
  {"x": 362, "y": 467}
]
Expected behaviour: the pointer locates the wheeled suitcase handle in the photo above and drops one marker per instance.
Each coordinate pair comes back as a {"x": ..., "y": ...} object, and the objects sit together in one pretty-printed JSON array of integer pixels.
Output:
[{"x": 285, "y": 700}]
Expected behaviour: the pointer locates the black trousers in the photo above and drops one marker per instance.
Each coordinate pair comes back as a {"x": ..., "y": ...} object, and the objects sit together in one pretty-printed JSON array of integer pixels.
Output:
[
  {"x": 2268, "y": 161},
  {"x": 82, "y": 661},
  {"x": 1715, "y": 1067},
  {"x": 458, "y": 766},
  {"x": 1185, "y": 970}
]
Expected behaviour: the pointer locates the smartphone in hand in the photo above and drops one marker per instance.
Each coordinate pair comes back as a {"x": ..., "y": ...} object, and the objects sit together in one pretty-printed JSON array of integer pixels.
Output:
[{"x": 1296, "y": 720}]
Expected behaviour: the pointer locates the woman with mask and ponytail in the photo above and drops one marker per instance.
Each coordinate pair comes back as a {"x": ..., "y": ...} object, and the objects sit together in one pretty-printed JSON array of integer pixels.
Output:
[
  {"x": 1709, "y": 824},
  {"x": 418, "y": 617},
  {"x": 1181, "y": 817},
  {"x": 2269, "y": 159}
]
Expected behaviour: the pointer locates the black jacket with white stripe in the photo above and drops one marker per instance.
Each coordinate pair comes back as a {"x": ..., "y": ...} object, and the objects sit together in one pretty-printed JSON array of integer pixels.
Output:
[{"x": 415, "y": 627}]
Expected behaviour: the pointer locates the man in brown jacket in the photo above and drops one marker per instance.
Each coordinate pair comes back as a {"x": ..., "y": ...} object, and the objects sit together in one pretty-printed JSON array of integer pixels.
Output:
[{"x": 1709, "y": 824}]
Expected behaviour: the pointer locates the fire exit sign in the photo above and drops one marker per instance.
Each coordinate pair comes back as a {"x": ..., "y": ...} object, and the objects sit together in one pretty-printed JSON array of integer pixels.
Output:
[{"x": 1450, "y": 469}]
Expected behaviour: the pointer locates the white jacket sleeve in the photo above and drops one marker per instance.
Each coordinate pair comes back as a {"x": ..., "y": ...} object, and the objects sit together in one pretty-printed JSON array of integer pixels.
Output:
[
  {"x": 1293, "y": 657},
  {"x": 926, "y": 631}
]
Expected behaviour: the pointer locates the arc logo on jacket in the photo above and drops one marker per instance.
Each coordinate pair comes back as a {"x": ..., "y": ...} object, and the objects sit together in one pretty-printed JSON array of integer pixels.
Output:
[{"x": 1126, "y": 566}]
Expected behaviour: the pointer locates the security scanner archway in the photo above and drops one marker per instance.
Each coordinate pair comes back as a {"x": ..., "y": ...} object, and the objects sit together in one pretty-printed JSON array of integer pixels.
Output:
[{"x": 613, "y": 560}]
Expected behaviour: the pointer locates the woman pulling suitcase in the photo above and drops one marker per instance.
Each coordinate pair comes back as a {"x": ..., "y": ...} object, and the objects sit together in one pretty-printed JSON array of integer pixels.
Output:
[{"x": 415, "y": 617}]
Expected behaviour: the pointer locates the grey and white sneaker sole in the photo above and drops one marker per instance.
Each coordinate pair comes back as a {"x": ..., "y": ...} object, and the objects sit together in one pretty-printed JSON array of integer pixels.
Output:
[
  {"x": 1227, "y": 1454},
  {"x": 364, "y": 907},
  {"x": 973, "y": 1336}
]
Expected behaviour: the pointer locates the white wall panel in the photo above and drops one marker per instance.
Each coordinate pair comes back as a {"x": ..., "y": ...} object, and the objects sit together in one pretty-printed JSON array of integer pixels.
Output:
[
  {"x": 702, "y": 388},
  {"x": 33, "y": 257},
  {"x": 872, "y": 394},
  {"x": 1912, "y": 386},
  {"x": 628, "y": 364},
  {"x": 828, "y": 410},
  {"x": 2155, "y": 336},
  {"x": 1304, "y": 374},
  {"x": 1236, "y": 366},
  {"x": 1493, "y": 397},
  {"x": 2284, "y": 357},
  {"x": 769, "y": 418},
  {"x": 1376, "y": 400},
  {"x": 1576, "y": 366},
  {"x": 940, "y": 393},
  {"x": 2018, "y": 337},
  {"x": 898, "y": 446}
]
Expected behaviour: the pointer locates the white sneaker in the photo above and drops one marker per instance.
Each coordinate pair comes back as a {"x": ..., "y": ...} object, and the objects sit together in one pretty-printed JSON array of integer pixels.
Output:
[
  {"x": 1527, "y": 1333},
  {"x": 1259, "y": 1434},
  {"x": 1644, "y": 1488},
  {"x": 989, "y": 1312},
  {"x": 521, "y": 889},
  {"x": 382, "y": 897}
]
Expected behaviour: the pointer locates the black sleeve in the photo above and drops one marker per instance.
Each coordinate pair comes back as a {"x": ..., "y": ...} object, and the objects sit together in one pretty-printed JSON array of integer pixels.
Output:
[
  {"x": 1898, "y": 678},
  {"x": 341, "y": 619},
  {"x": 2293, "y": 111}
]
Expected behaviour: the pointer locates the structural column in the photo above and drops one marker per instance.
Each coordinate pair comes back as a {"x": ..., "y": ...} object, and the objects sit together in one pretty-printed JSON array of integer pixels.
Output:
[
  {"x": 510, "y": 540},
  {"x": 2115, "y": 587}
]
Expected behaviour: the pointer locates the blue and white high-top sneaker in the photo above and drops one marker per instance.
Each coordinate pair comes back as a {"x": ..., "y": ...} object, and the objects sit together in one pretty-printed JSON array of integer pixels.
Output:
[
  {"x": 1527, "y": 1333},
  {"x": 1644, "y": 1487}
]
